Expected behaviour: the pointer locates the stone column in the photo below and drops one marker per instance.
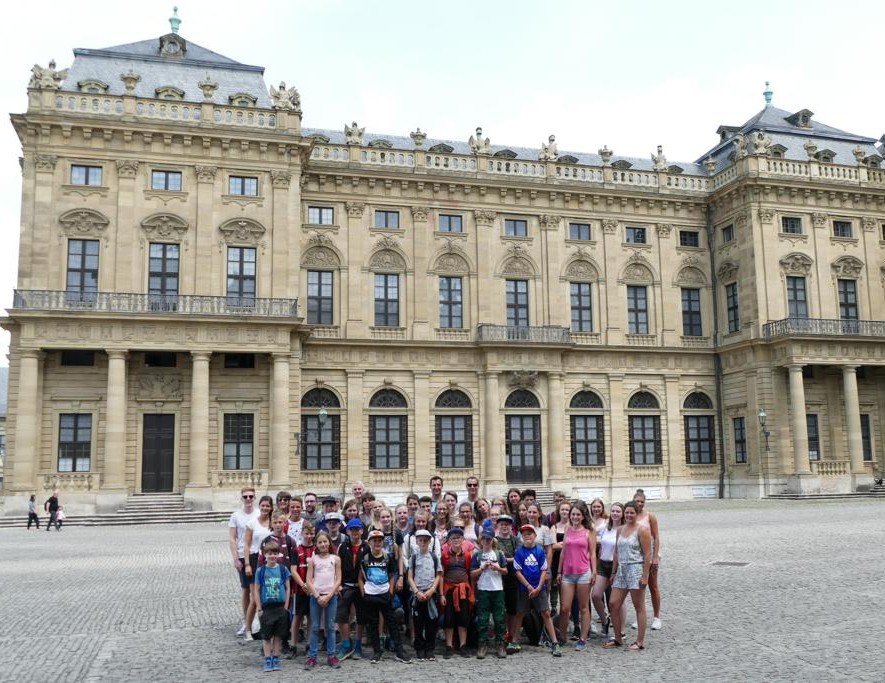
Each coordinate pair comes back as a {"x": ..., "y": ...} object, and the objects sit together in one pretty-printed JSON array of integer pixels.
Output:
[
  {"x": 618, "y": 450},
  {"x": 556, "y": 456},
  {"x": 799, "y": 423},
  {"x": 24, "y": 456},
  {"x": 199, "y": 436},
  {"x": 423, "y": 457},
  {"x": 675, "y": 457},
  {"x": 356, "y": 453},
  {"x": 493, "y": 446},
  {"x": 852, "y": 418},
  {"x": 115, "y": 427},
  {"x": 279, "y": 427}
]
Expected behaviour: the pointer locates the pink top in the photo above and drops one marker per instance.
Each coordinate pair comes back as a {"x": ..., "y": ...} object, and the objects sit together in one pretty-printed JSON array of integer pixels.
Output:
[
  {"x": 576, "y": 551},
  {"x": 323, "y": 573}
]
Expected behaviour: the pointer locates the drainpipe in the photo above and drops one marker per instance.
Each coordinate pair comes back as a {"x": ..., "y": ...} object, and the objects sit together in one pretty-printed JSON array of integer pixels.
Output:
[{"x": 717, "y": 359}]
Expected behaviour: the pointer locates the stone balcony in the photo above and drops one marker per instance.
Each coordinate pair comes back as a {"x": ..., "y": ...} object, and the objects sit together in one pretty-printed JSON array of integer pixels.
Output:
[
  {"x": 821, "y": 327},
  {"x": 548, "y": 334}
]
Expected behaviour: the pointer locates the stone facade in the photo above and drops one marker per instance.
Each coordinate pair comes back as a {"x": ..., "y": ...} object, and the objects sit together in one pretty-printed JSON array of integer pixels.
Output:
[{"x": 210, "y": 295}]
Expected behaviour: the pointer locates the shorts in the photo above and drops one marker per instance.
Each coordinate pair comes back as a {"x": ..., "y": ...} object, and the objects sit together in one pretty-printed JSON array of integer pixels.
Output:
[
  {"x": 604, "y": 568},
  {"x": 274, "y": 621},
  {"x": 628, "y": 576},
  {"x": 302, "y": 605},
  {"x": 511, "y": 595},
  {"x": 350, "y": 595},
  {"x": 540, "y": 603},
  {"x": 578, "y": 579},
  {"x": 454, "y": 618},
  {"x": 245, "y": 580}
]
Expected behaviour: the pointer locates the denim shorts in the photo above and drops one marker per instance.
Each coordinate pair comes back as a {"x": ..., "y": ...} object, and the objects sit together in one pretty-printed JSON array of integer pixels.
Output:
[{"x": 578, "y": 579}]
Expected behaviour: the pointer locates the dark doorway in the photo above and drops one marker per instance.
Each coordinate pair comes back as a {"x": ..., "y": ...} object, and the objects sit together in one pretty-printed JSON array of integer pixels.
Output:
[
  {"x": 523, "y": 449},
  {"x": 157, "y": 453}
]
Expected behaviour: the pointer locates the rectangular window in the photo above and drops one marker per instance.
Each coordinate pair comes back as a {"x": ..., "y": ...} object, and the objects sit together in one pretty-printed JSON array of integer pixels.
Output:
[
  {"x": 86, "y": 175},
  {"x": 791, "y": 225},
  {"x": 637, "y": 310},
  {"x": 699, "y": 442},
  {"x": 691, "y": 313},
  {"x": 579, "y": 231},
  {"x": 454, "y": 441},
  {"x": 239, "y": 361},
  {"x": 321, "y": 443},
  {"x": 244, "y": 186},
  {"x": 74, "y": 442},
  {"x": 386, "y": 300},
  {"x": 727, "y": 234},
  {"x": 732, "y": 307},
  {"x": 170, "y": 181},
  {"x": 450, "y": 303},
  {"x": 320, "y": 215},
  {"x": 517, "y": 303},
  {"x": 388, "y": 442},
  {"x": 319, "y": 297},
  {"x": 450, "y": 223},
  {"x": 160, "y": 359},
  {"x": 238, "y": 440},
  {"x": 387, "y": 219},
  {"x": 813, "y": 436},
  {"x": 163, "y": 265},
  {"x": 241, "y": 276},
  {"x": 866, "y": 437},
  {"x": 645, "y": 440},
  {"x": 588, "y": 442},
  {"x": 78, "y": 359},
  {"x": 633, "y": 235},
  {"x": 82, "y": 273},
  {"x": 797, "y": 300},
  {"x": 740, "y": 439},
  {"x": 842, "y": 229},
  {"x": 582, "y": 307},
  {"x": 516, "y": 228},
  {"x": 847, "y": 299},
  {"x": 689, "y": 238},
  {"x": 2, "y": 445}
]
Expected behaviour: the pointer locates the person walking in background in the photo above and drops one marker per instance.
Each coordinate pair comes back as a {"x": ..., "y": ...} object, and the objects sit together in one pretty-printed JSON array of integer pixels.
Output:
[
  {"x": 32, "y": 512},
  {"x": 51, "y": 506}
]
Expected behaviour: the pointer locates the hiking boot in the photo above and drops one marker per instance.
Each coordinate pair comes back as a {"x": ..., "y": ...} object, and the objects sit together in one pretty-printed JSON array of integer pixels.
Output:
[
  {"x": 401, "y": 656},
  {"x": 481, "y": 652},
  {"x": 501, "y": 651},
  {"x": 557, "y": 650},
  {"x": 332, "y": 661},
  {"x": 309, "y": 663}
]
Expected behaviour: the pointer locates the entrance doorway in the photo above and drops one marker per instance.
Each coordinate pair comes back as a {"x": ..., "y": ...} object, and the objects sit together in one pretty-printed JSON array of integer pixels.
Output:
[
  {"x": 523, "y": 449},
  {"x": 157, "y": 453}
]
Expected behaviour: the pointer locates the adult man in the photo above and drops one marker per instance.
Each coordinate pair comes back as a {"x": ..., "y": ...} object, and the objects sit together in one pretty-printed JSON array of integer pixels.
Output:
[
  {"x": 51, "y": 506},
  {"x": 310, "y": 508},
  {"x": 239, "y": 520},
  {"x": 436, "y": 487},
  {"x": 358, "y": 488},
  {"x": 472, "y": 485}
]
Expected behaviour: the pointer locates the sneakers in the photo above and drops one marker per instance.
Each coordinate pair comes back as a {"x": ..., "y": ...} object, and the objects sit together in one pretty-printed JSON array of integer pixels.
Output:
[
  {"x": 357, "y": 652},
  {"x": 513, "y": 648},
  {"x": 501, "y": 651},
  {"x": 345, "y": 650},
  {"x": 242, "y": 629},
  {"x": 376, "y": 657},
  {"x": 448, "y": 653},
  {"x": 634, "y": 625},
  {"x": 419, "y": 655},
  {"x": 332, "y": 661},
  {"x": 581, "y": 646},
  {"x": 275, "y": 664},
  {"x": 656, "y": 624},
  {"x": 268, "y": 664},
  {"x": 401, "y": 656},
  {"x": 309, "y": 663},
  {"x": 557, "y": 650},
  {"x": 429, "y": 655},
  {"x": 247, "y": 637},
  {"x": 464, "y": 652},
  {"x": 481, "y": 651}
]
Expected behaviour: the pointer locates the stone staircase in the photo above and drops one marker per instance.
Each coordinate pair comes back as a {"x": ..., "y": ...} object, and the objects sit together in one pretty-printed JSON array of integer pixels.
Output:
[{"x": 878, "y": 491}]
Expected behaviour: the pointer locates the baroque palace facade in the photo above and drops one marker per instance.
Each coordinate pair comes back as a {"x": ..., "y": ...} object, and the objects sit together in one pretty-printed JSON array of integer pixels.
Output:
[{"x": 210, "y": 295}]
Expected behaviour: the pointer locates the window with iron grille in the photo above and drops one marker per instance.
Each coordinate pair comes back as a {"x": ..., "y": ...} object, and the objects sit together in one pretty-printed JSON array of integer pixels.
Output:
[
  {"x": 74, "y": 442},
  {"x": 238, "y": 441}
]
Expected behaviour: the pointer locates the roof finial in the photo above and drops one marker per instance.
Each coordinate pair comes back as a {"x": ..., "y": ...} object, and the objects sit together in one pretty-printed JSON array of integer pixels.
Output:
[
  {"x": 174, "y": 21},
  {"x": 767, "y": 94}
]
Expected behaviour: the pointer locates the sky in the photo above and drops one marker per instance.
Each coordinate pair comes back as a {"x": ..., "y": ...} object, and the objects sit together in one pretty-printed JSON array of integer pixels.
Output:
[{"x": 631, "y": 74}]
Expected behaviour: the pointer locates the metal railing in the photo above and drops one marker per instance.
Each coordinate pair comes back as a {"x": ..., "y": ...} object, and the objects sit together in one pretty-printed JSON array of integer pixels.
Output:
[
  {"x": 159, "y": 304},
  {"x": 821, "y": 327},
  {"x": 549, "y": 334}
]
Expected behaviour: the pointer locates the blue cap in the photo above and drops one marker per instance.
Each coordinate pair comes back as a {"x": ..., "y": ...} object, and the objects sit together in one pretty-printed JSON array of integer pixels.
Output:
[{"x": 354, "y": 524}]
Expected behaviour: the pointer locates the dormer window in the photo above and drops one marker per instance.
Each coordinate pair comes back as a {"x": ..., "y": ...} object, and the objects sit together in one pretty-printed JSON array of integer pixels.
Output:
[
  {"x": 168, "y": 92},
  {"x": 726, "y": 132},
  {"x": 173, "y": 45},
  {"x": 873, "y": 161},
  {"x": 777, "y": 151},
  {"x": 92, "y": 86},
  {"x": 242, "y": 99},
  {"x": 317, "y": 137},
  {"x": 825, "y": 156},
  {"x": 505, "y": 154},
  {"x": 622, "y": 165},
  {"x": 441, "y": 148},
  {"x": 383, "y": 144},
  {"x": 801, "y": 118},
  {"x": 568, "y": 159}
]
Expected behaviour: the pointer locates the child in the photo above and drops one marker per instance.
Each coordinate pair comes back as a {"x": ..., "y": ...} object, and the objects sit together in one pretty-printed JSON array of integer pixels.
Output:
[
  {"x": 299, "y": 556},
  {"x": 278, "y": 536},
  {"x": 377, "y": 577},
  {"x": 59, "y": 518},
  {"x": 530, "y": 563},
  {"x": 323, "y": 581},
  {"x": 272, "y": 591},
  {"x": 507, "y": 544},
  {"x": 425, "y": 575},
  {"x": 457, "y": 594},
  {"x": 487, "y": 570},
  {"x": 351, "y": 553}
]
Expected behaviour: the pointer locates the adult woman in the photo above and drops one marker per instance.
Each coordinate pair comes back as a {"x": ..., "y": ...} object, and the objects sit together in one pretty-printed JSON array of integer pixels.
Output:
[
  {"x": 441, "y": 523},
  {"x": 522, "y": 516},
  {"x": 648, "y": 520},
  {"x": 560, "y": 523},
  {"x": 514, "y": 496},
  {"x": 598, "y": 518},
  {"x": 256, "y": 531},
  {"x": 471, "y": 528},
  {"x": 577, "y": 570},
  {"x": 481, "y": 510},
  {"x": 631, "y": 565},
  {"x": 607, "y": 536}
]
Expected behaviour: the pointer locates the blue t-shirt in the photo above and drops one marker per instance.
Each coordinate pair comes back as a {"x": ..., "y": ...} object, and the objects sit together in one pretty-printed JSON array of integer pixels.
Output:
[
  {"x": 531, "y": 562},
  {"x": 272, "y": 584}
]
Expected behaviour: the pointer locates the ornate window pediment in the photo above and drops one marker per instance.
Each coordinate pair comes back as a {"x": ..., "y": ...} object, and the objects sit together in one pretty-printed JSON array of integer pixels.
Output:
[
  {"x": 321, "y": 257},
  {"x": 164, "y": 226},
  {"x": 518, "y": 266},
  {"x": 169, "y": 92},
  {"x": 451, "y": 263},
  {"x": 689, "y": 276},
  {"x": 83, "y": 222},
  {"x": 92, "y": 85},
  {"x": 441, "y": 148},
  {"x": 638, "y": 270},
  {"x": 243, "y": 99},
  {"x": 622, "y": 165},
  {"x": 568, "y": 159},
  {"x": 581, "y": 269},
  {"x": 387, "y": 260},
  {"x": 505, "y": 154},
  {"x": 796, "y": 264},
  {"x": 847, "y": 267},
  {"x": 727, "y": 271},
  {"x": 383, "y": 144},
  {"x": 242, "y": 230}
]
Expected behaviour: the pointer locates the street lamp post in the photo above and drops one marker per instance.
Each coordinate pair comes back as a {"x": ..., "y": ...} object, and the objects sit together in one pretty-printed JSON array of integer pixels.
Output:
[{"x": 763, "y": 417}]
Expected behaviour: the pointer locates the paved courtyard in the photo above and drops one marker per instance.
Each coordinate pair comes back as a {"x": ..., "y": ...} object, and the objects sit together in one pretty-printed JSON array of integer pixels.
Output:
[{"x": 159, "y": 603}]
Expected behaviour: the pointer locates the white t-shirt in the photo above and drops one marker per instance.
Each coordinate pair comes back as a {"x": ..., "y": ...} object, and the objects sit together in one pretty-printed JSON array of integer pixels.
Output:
[
  {"x": 489, "y": 579},
  {"x": 295, "y": 531},
  {"x": 239, "y": 520},
  {"x": 259, "y": 533}
]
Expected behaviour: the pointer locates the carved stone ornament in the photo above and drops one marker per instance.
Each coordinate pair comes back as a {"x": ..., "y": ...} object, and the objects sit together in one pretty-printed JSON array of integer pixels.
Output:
[
  {"x": 739, "y": 220},
  {"x": 420, "y": 213},
  {"x": 549, "y": 221},
  {"x": 766, "y": 215},
  {"x": 452, "y": 263},
  {"x": 321, "y": 257},
  {"x": 690, "y": 261},
  {"x": 659, "y": 160},
  {"x": 208, "y": 87},
  {"x": 581, "y": 270},
  {"x": 242, "y": 230},
  {"x": 847, "y": 267},
  {"x": 727, "y": 272},
  {"x": 690, "y": 277},
  {"x": 478, "y": 145},
  {"x": 869, "y": 223},
  {"x": 710, "y": 165},
  {"x": 605, "y": 154},
  {"x": 819, "y": 219},
  {"x": 45, "y": 162},
  {"x": 318, "y": 239},
  {"x": 549, "y": 152},
  {"x": 164, "y": 226},
  {"x": 127, "y": 168},
  {"x": 206, "y": 174},
  {"x": 796, "y": 264},
  {"x": 285, "y": 99},
  {"x": 130, "y": 80},
  {"x": 353, "y": 134},
  {"x": 484, "y": 217},
  {"x": 523, "y": 379},
  {"x": 83, "y": 223},
  {"x": 387, "y": 260},
  {"x": 387, "y": 242},
  {"x": 518, "y": 266},
  {"x": 281, "y": 178},
  {"x": 761, "y": 144},
  {"x": 609, "y": 226},
  {"x": 46, "y": 78},
  {"x": 159, "y": 388},
  {"x": 664, "y": 229},
  {"x": 355, "y": 209},
  {"x": 418, "y": 137},
  {"x": 637, "y": 270},
  {"x": 740, "y": 146},
  {"x": 810, "y": 149}
]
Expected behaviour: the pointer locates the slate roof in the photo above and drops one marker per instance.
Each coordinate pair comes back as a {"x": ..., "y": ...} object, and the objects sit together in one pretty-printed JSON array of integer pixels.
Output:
[
  {"x": 4, "y": 390},
  {"x": 107, "y": 64}
]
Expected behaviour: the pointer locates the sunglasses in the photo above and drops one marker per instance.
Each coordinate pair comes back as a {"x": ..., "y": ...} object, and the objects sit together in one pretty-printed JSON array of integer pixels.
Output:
[
  {"x": 248, "y": 497},
  {"x": 473, "y": 486}
]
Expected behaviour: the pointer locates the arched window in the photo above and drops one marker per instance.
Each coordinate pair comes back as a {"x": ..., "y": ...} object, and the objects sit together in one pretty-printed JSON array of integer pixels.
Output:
[
  {"x": 587, "y": 430},
  {"x": 523, "y": 438},
  {"x": 454, "y": 430},
  {"x": 522, "y": 398},
  {"x": 320, "y": 430},
  {"x": 700, "y": 441},
  {"x": 645, "y": 429},
  {"x": 388, "y": 431}
]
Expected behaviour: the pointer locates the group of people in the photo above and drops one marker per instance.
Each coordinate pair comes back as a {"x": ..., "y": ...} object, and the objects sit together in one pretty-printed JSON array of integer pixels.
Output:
[
  {"x": 52, "y": 508},
  {"x": 485, "y": 571}
]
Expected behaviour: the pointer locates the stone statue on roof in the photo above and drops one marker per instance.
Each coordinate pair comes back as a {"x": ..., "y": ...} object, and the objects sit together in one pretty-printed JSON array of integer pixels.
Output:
[
  {"x": 740, "y": 146},
  {"x": 353, "y": 134},
  {"x": 659, "y": 160},
  {"x": 48, "y": 78},
  {"x": 286, "y": 99},
  {"x": 761, "y": 144},
  {"x": 549, "y": 152},
  {"x": 478, "y": 145}
]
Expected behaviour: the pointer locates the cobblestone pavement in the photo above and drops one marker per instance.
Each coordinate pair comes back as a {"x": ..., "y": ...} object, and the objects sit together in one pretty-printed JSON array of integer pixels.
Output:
[{"x": 159, "y": 603}]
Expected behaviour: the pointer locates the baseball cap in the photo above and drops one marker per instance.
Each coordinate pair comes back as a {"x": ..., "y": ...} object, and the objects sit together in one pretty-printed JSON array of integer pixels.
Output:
[
  {"x": 488, "y": 533},
  {"x": 354, "y": 524},
  {"x": 376, "y": 533},
  {"x": 505, "y": 518},
  {"x": 330, "y": 500},
  {"x": 334, "y": 516},
  {"x": 526, "y": 527},
  {"x": 455, "y": 531},
  {"x": 423, "y": 533}
]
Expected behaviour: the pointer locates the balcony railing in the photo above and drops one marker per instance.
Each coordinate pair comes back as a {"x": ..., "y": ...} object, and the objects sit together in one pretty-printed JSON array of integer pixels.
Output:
[
  {"x": 159, "y": 304},
  {"x": 820, "y": 327},
  {"x": 549, "y": 334}
]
